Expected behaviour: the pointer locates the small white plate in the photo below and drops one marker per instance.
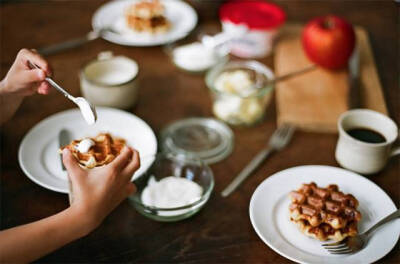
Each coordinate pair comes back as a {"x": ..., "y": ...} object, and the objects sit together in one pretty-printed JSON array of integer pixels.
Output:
[
  {"x": 183, "y": 19},
  {"x": 38, "y": 153},
  {"x": 270, "y": 217}
]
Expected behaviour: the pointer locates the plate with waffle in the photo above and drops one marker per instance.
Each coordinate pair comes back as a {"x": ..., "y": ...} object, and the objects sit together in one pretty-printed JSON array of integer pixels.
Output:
[
  {"x": 93, "y": 146},
  {"x": 296, "y": 210},
  {"x": 145, "y": 22}
]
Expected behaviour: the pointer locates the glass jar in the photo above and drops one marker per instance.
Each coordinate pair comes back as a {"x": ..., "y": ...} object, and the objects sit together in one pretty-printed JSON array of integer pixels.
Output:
[{"x": 240, "y": 91}]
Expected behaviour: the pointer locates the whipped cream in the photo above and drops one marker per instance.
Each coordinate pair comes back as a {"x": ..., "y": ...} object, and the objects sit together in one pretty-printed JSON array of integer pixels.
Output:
[
  {"x": 237, "y": 104},
  {"x": 171, "y": 192},
  {"x": 84, "y": 145},
  {"x": 88, "y": 113},
  {"x": 235, "y": 82},
  {"x": 194, "y": 57}
]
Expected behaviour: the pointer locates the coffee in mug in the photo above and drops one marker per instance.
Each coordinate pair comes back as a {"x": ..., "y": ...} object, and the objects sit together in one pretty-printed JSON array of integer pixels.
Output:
[{"x": 366, "y": 140}]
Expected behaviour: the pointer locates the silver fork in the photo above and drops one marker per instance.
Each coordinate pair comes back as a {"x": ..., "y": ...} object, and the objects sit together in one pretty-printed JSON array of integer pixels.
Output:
[
  {"x": 279, "y": 139},
  {"x": 356, "y": 243}
]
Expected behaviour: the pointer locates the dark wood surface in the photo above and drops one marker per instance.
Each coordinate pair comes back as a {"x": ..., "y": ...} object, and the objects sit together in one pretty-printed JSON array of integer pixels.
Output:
[{"x": 221, "y": 232}]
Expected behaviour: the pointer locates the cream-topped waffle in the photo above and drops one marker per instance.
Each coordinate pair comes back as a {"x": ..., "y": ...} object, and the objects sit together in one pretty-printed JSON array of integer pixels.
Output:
[{"x": 96, "y": 151}]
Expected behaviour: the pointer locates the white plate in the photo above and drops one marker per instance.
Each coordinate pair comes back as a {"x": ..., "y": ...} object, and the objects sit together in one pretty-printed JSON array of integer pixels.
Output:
[
  {"x": 270, "y": 217},
  {"x": 38, "y": 153},
  {"x": 183, "y": 19}
]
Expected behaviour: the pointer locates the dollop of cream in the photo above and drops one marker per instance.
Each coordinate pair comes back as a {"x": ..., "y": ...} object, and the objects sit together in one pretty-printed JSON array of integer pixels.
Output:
[
  {"x": 194, "y": 57},
  {"x": 88, "y": 113},
  {"x": 85, "y": 145},
  {"x": 171, "y": 192}
]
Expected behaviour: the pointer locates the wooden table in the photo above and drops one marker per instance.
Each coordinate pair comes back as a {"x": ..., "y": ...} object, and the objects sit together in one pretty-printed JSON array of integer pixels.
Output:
[{"x": 221, "y": 232}]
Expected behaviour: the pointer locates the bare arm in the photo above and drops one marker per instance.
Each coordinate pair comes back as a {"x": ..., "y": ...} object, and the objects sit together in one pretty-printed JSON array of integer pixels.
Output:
[
  {"x": 9, "y": 104},
  {"x": 28, "y": 242},
  {"x": 96, "y": 193}
]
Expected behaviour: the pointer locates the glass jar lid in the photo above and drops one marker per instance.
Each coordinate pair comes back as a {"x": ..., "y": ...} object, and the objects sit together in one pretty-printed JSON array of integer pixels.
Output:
[{"x": 207, "y": 138}]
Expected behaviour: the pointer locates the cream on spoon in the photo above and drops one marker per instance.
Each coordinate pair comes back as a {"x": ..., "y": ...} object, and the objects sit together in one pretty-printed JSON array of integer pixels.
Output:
[{"x": 88, "y": 110}]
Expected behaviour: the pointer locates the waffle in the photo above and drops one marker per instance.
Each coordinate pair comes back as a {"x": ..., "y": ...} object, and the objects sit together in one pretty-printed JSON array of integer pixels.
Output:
[
  {"x": 105, "y": 149},
  {"x": 147, "y": 16},
  {"x": 324, "y": 213}
]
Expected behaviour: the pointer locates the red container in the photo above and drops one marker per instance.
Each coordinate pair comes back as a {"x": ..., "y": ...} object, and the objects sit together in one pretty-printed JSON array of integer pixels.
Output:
[{"x": 262, "y": 21}]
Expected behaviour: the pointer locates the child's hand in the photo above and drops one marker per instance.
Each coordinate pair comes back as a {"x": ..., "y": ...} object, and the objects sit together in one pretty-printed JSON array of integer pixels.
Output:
[
  {"x": 96, "y": 192},
  {"x": 22, "y": 80}
]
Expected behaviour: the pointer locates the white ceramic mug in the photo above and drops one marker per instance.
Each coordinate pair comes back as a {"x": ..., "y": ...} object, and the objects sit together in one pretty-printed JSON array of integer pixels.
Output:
[
  {"x": 360, "y": 156},
  {"x": 110, "y": 81}
]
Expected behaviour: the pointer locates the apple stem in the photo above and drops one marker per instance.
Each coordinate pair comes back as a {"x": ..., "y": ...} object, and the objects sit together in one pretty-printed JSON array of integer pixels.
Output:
[{"x": 328, "y": 23}]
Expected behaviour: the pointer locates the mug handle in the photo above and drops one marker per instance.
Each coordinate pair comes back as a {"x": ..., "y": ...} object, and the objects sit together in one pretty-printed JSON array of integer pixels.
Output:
[{"x": 395, "y": 151}]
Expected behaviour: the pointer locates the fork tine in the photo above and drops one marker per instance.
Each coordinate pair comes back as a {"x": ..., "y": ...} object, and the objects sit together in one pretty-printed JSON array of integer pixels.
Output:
[
  {"x": 285, "y": 132},
  {"x": 290, "y": 130},
  {"x": 342, "y": 252},
  {"x": 333, "y": 244},
  {"x": 338, "y": 250},
  {"x": 336, "y": 247},
  {"x": 279, "y": 132}
]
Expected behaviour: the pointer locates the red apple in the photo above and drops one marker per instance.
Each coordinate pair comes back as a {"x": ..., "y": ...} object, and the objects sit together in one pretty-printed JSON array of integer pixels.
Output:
[{"x": 329, "y": 41}]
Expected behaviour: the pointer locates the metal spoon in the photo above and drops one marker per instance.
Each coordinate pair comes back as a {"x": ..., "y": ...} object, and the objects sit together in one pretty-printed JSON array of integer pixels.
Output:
[
  {"x": 219, "y": 39},
  {"x": 73, "y": 43},
  {"x": 88, "y": 110}
]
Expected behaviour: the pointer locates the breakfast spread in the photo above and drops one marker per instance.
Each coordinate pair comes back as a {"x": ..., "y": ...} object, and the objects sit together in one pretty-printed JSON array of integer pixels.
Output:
[
  {"x": 238, "y": 99},
  {"x": 97, "y": 151},
  {"x": 241, "y": 92},
  {"x": 171, "y": 192},
  {"x": 324, "y": 213},
  {"x": 147, "y": 16}
]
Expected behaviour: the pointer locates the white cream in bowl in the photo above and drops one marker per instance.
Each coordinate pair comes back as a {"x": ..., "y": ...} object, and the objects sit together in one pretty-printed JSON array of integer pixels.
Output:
[{"x": 171, "y": 192}]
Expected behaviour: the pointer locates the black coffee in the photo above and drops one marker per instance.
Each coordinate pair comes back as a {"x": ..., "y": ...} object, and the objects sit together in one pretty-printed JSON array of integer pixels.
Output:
[{"x": 366, "y": 135}]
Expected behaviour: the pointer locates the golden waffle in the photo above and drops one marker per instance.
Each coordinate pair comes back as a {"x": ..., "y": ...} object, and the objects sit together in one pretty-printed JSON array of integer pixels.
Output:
[
  {"x": 147, "y": 16},
  {"x": 324, "y": 213},
  {"x": 105, "y": 149}
]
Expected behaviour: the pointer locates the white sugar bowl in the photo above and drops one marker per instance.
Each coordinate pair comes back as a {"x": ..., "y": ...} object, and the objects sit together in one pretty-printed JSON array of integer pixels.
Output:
[{"x": 110, "y": 81}]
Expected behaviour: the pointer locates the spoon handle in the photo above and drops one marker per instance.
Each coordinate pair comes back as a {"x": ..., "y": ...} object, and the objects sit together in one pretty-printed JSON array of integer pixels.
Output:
[
  {"x": 73, "y": 43},
  {"x": 53, "y": 83},
  {"x": 59, "y": 88},
  {"x": 292, "y": 74}
]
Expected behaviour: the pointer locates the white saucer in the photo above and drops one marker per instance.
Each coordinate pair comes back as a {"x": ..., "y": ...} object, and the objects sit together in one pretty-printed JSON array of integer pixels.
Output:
[
  {"x": 183, "y": 19},
  {"x": 38, "y": 153},
  {"x": 270, "y": 218}
]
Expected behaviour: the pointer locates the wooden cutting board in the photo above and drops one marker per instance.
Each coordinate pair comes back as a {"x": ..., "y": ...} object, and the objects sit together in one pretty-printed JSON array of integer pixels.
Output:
[{"x": 314, "y": 100}]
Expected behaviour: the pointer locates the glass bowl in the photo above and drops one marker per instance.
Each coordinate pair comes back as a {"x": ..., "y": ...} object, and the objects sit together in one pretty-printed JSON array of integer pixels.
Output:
[
  {"x": 243, "y": 98},
  {"x": 220, "y": 56},
  {"x": 177, "y": 165},
  {"x": 220, "y": 52}
]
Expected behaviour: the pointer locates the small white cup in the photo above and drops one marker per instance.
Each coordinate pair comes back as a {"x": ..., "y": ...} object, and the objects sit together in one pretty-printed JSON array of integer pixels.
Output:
[
  {"x": 110, "y": 81},
  {"x": 360, "y": 156}
]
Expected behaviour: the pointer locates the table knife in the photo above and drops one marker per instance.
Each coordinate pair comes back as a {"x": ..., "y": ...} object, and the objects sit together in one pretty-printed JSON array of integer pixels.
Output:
[
  {"x": 63, "y": 140},
  {"x": 354, "y": 96}
]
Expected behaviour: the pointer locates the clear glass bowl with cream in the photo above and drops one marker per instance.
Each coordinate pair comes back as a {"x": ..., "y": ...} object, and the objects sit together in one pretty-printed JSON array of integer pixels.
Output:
[
  {"x": 174, "y": 188},
  {"x": 195, "y": 57},
  {"x": 110, "y": 81},
  {"x": 241, "y": 91}
]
